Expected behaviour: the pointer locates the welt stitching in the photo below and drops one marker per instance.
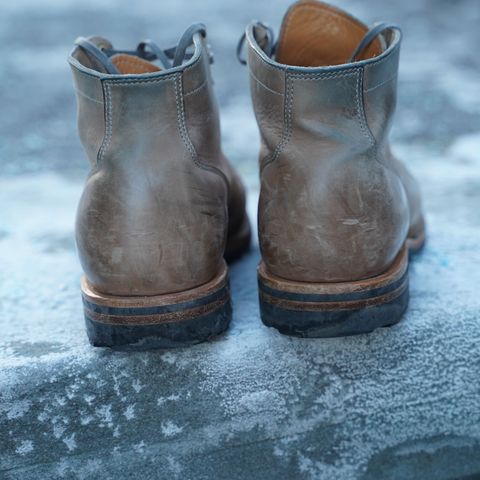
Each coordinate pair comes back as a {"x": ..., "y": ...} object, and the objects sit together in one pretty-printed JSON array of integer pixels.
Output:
[
  {"x": 83, "y": 94},
  {"x": 287, "y": 131},
  {"x": 263, "y": 85},
  {"x": 108, "y": 120}
]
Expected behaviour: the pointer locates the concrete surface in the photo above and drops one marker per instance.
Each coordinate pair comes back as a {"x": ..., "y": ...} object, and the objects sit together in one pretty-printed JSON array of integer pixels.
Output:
[{"x": 400, "y": 403}]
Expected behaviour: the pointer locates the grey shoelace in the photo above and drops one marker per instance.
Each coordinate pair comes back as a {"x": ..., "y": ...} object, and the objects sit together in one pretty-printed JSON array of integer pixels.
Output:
[
  {"x": 146, "y": 50},
  {"x": 369, "y": 37},
  {"x": 269, "y": 44}
]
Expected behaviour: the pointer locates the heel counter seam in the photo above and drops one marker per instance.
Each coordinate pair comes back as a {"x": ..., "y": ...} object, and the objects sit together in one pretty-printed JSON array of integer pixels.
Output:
[
  {"x": 362, "y": 117},
  {"x": 182, "y": 126},
  {"x": 107, "y": 120},
  {"x": 287, "y": 121},
  {"x": 290, "y": 78}
]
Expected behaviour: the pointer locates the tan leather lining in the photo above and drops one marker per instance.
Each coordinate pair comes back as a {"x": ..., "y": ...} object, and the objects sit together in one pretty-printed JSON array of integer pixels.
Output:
[
  {"x": 315, "y": 34},
  {"x": 130, "y": 64}
]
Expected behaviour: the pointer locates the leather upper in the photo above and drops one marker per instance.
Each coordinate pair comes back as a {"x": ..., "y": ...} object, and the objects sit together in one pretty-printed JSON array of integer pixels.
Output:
[
  {"x": 335, "y": 205},
  {"x": 155, "y": 211}
]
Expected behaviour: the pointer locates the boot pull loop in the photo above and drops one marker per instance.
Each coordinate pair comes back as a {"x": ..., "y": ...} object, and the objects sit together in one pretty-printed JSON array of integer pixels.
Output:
[
  {"x": 369, "y": 37},
  {"x": 185, "y": 41},
  {"x": 267, "y": 43},
  {"x": 96, "y": 54}
]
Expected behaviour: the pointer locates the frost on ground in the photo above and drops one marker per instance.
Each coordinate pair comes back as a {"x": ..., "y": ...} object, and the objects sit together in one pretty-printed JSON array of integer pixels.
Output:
[
  {"x": 399, "y": 398},
  {"x": 402, "y": 402}
]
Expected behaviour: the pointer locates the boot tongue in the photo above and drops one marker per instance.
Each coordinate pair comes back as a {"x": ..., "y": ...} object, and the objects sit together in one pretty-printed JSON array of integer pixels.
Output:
[{"x": 314, "y": 34}]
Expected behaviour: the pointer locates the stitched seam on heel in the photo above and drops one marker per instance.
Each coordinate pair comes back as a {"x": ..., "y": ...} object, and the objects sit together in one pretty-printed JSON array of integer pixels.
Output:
[
  {"x": 182, "y": 126},
  {"x": 361, "y": 113},
  {"x": 287, "y": 119},
  {"x": 108, "y": 122}
]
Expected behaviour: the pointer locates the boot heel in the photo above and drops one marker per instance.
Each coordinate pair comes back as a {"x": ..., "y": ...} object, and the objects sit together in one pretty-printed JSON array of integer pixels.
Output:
[
  {"x": 161, "y": 321},
  {"x": 334, "y": 309}
]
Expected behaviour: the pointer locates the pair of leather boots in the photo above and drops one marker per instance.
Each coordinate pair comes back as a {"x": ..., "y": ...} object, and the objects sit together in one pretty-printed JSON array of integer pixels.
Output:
[{"x": 163, "y": 209}]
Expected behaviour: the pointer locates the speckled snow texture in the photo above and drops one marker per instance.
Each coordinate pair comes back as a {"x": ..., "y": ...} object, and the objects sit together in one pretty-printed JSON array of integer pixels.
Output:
[{"x": 399, "y": 403}]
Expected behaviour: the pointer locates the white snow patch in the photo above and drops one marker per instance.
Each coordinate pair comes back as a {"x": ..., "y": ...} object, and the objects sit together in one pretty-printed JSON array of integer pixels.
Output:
[
  {"x": 58, "y": 430},
  {"x": 25, "y": 447},
  {"x": 18, "y": 409},
  {"x": 105, "y": 414},
  {"x": 136, "y": 385},
  {"x": 70, "y": 442},
  {"x": 171, "y": 398},
  {"x": 86, "y": 419},
  {"x": 129, "y": 412},
  {"x": 89, "y": 398},
  {"x": 169, "y": 429},
  {"x": 169, "y": 358},
  {"x": 139, "y": 447},
  {"x": 175, "y": 467}
]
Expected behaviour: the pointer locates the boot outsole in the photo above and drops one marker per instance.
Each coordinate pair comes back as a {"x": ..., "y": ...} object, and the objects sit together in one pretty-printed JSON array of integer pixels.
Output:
[
  {"x": 161, "y": 321},
  {"x": 334, "y": 309}
]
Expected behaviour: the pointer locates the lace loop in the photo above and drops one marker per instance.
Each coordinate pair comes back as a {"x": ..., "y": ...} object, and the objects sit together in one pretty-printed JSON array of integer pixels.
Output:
[
  {"x": 267, "y": 43},
  {"x": 369, "y": 37},
  {"x": 147, "y": 50},
  {"x": 97, "y": 55},
  {"x": 156, "y": 53}
]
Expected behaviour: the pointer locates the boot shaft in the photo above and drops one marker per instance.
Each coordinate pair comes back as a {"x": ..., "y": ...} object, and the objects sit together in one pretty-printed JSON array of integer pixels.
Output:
[
  {"x": 153, "y": 216},
  {"x": 324, "y": 155},
  {"x": 348, "y": 107}
]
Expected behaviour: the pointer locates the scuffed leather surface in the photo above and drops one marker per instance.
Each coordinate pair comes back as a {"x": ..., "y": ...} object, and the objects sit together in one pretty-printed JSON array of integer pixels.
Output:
[
  {"x": 153, "y": 216},
  {"x": 334, "y": 204},
  {"x": 202, "y": 119},
  {"x": 380, "y": 95}
]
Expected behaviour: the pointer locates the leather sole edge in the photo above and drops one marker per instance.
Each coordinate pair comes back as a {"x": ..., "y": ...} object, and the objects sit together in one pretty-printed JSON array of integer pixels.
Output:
[
  {"x": 160, "y": 321},
  {"x": 334, "y": 309}
]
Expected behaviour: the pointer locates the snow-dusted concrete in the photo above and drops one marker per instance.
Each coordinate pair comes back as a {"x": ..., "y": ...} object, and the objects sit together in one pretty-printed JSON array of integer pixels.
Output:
[{"x": 402, "y": 402}]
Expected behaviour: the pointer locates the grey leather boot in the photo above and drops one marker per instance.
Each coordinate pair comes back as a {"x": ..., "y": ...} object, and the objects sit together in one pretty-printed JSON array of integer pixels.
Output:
[
  {"x": 338, "y": 213},
  {"x": 162, "y": 205}
]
